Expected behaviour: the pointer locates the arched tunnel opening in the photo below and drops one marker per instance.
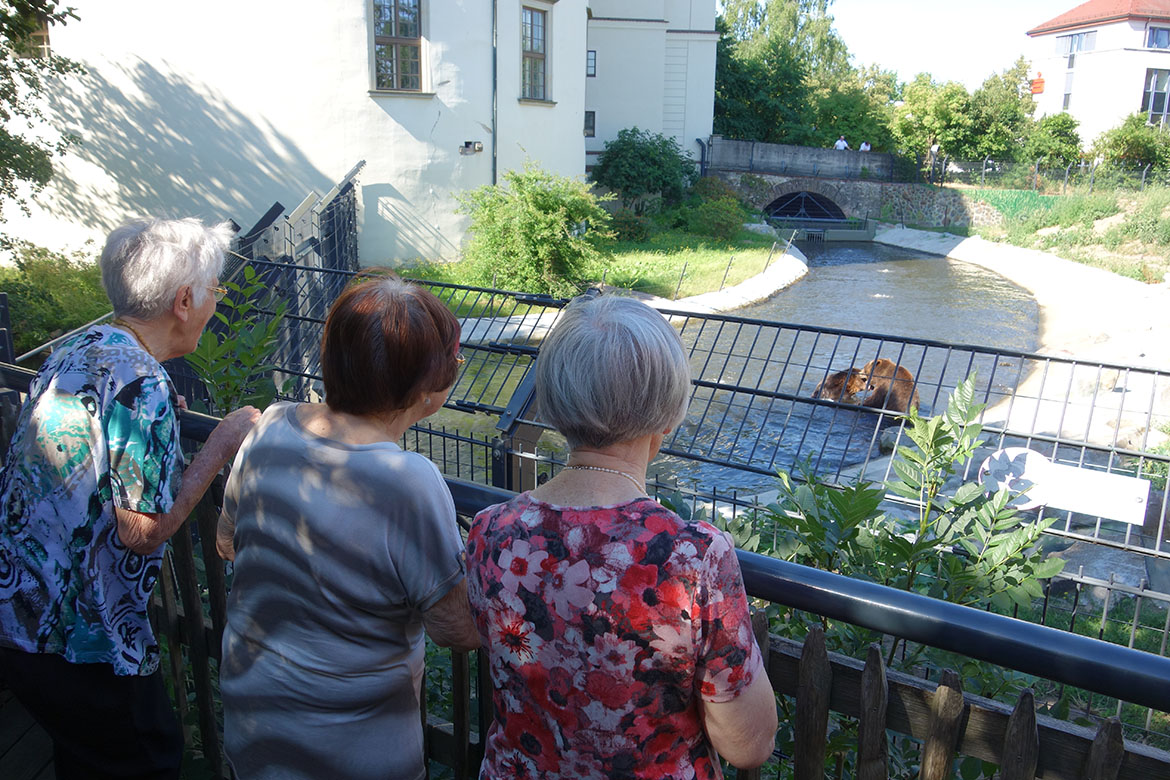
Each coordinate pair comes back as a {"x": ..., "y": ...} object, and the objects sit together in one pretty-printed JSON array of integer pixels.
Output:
[{"x": 804, "y": 205}]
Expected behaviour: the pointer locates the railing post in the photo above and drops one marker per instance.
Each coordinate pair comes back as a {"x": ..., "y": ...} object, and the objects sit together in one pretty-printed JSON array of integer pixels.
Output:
[
  {"x": 678, "y": 287},
  {"x": 1144, "y": 172},
  {"x": 1036, "y": 177},
  {"x": 1092, "y": 177},
  {"x": 726, "y": 271},
  {"x": 1064, "y": 188},
  {"x": 501, "y": 465},
  {"x": 983, "y": 172}
]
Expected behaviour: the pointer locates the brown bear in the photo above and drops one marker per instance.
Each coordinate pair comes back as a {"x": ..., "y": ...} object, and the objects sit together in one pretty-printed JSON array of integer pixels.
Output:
[
  {"x": 843, "y": 386},
  {"x": 891, "y": 386}
]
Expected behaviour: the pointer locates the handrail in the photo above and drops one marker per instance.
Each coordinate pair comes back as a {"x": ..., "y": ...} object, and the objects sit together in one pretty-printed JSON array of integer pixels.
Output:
[
  {"x": 1112, "y": 670},
  {"x": 1101, "y": 667}
]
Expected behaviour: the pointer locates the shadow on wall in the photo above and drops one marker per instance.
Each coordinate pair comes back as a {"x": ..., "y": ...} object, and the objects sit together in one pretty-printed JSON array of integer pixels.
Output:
[
  {"x": 167, "y": 145},
  {"x": 411, "y": 235}
]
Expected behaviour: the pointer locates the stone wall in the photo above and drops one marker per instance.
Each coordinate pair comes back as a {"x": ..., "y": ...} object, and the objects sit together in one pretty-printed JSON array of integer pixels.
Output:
[
  {"x": 915, "y": 204},
  {"x": 758, "y": 157}
]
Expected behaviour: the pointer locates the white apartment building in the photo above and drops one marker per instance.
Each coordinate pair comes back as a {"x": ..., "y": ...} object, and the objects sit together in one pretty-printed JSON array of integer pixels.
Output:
[
  {"x": 1102, "y": 61},
  {"x": 218, "y": 109}
]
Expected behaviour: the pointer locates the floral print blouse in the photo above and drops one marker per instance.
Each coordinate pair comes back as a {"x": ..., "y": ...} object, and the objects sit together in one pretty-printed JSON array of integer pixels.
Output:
[{"x": 604, "y": 627}]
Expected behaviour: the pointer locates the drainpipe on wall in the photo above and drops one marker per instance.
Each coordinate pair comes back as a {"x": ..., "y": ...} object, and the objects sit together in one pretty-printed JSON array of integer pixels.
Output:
[
  {"x": 702, "y": 157},
  {"x": 495, "y": 84}
]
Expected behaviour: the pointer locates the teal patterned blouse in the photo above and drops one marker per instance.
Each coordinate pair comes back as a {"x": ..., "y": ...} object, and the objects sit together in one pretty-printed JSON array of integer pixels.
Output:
[{"x": 97, "y": 431}]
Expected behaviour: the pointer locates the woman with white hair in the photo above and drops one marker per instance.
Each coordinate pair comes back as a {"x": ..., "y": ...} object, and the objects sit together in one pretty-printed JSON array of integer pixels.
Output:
[
  {"x": 94, "y": 485},
  {"x": 619, "y": 637}
]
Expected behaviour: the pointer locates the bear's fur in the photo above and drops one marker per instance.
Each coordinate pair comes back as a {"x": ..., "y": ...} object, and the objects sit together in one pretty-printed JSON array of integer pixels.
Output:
[
  {"x": 891, "y": 386},
  {"x": 844, "y": 386}
]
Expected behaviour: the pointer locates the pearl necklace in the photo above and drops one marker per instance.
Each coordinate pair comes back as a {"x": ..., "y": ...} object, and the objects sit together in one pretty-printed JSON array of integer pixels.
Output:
[
  {"x": 121, "y": 323},
  {"x": 630, "y": 477}
]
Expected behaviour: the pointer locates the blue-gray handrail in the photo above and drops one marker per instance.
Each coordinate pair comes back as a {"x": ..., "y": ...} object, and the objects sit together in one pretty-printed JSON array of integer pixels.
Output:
[{"x": 1112, "y": 670}]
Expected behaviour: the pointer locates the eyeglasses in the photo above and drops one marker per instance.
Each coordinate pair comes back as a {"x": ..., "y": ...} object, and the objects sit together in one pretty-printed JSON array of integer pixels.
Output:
[
  {"x": 459, "y": 359},
  {"x": 218, "y": 292}
]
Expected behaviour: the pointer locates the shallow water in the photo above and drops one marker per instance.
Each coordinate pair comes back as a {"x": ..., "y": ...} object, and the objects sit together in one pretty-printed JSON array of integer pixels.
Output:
[
  {"x": 861, "y": 287},
  {"x": 899, "y": 292}
]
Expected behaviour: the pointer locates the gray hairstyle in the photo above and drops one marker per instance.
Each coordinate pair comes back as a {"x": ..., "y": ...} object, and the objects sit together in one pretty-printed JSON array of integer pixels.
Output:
[
  {"x": 147, "y": 261},
  {"x": 612, "y": 370}
]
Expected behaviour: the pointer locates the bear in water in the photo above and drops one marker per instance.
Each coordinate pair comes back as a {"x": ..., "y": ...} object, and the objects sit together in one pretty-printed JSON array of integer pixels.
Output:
[
  {"x": 843, "y": 386},
  {"x": 891, "y": 386}
]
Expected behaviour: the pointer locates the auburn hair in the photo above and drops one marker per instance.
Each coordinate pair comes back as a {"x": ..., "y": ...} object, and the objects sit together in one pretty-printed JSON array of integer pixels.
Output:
[{"x": 387, "y": 342}]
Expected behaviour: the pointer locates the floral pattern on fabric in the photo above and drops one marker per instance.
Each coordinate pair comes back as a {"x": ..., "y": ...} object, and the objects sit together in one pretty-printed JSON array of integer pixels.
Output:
[
  {"x": 604, "y": 627},
  {"x": 98, "y": 430}
]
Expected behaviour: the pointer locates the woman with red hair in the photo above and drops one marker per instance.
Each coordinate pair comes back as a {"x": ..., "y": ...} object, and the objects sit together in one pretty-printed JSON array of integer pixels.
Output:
[{"x": 346, "y": 551}]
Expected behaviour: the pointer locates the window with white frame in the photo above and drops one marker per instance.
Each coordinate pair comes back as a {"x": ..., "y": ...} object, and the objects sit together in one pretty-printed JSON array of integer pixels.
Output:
[
  {"x": 1071, "y": 44},
  {"x": 1068, "y": 81},
  {"x": 1158, "y": 38},
  {"x": 590, "y": 124},
  {"x": 1154, "y": 96},
  {"x": 534, "y": 58},
  {"x": 398, "y": 45},
  {"x": 591, "y": 63}
]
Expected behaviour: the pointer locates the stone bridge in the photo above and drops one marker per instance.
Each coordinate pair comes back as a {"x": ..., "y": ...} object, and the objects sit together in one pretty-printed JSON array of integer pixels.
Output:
[{"x": 917, "y": 204}]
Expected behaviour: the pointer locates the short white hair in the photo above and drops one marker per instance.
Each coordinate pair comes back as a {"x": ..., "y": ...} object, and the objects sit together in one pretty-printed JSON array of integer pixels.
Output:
[
  {"x": 611, "y": 370},
  {"x": 147, "y": 261}
]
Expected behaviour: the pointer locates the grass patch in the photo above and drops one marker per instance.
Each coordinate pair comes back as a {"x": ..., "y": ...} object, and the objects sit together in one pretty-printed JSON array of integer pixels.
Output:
[{"x": 653, "y": 266}]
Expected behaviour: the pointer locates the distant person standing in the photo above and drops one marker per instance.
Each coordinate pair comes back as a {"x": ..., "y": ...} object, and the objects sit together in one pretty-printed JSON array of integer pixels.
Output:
[
  {"x": 865, "y": 147},
  {"x": 841, "y": 144}
]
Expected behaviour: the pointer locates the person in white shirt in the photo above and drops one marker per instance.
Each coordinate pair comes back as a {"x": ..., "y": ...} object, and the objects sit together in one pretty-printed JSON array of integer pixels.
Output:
[
  {"x": 841, "y": 144},
  {"x": 865, "y": 147}
]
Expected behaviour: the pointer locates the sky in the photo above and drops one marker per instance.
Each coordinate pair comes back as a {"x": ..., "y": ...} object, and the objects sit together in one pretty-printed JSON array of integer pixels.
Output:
[{"x": 951, "y": 40}]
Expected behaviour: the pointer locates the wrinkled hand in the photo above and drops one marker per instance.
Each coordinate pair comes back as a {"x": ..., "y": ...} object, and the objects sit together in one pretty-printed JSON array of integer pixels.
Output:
[
  {"x": 181, "y": 402},
  {"x": 231, "y": 431}
]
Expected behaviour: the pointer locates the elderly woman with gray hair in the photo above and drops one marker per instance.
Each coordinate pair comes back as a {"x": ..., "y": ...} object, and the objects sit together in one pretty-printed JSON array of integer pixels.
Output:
[
  {"x": 94, "y": 485},
  {"x": 619, "y": 637}
]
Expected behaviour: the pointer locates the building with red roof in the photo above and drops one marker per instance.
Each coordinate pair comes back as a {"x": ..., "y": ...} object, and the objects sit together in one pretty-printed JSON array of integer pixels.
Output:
[{"x": 1102, "y": 61}]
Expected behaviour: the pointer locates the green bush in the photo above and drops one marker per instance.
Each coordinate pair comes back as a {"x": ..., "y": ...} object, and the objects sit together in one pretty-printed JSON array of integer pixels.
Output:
[
  {"x": 50, "y": 294},
  {"x": 639, "y": 165},
  {"x": 628, "y": 226},
  {"x": 713, "y": 188},
  {"x": 722, "y": 218},
  {"x": 536, "y": 233},
  {"x": 1134, "y": 144}
]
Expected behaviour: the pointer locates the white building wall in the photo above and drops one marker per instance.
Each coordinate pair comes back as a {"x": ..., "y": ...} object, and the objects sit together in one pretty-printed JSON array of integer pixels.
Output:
[
  {"x": 1107, "y": 82},
  {"x": 655, "y": 70},
  {"x": 218, "y": 109}
]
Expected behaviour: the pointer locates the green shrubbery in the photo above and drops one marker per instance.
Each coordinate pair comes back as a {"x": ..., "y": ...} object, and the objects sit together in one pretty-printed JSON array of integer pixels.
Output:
[
  {"x": 641, "y": 166},
  {"x": 628, "y": 226},
  {"x": 536, "y": 233},
  {"x": 50, "y": 294},
  {"x": 721, "y": 218}
]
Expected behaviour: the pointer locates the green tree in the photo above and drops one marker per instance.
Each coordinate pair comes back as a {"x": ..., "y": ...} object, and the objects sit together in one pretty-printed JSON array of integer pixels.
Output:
[
  {"x": 27, "y": 146},
  {"x": 1054, "y": 141},
  {"x": 535, "y": 233},
  {"x": 1001, "y": 114},
  {"x": 639, "y": 165},
  {"x": 1134, "y": 143},
  {"x": 783, "y": 76},
  {"x": 762, "y": 98},
  {"x": 934, "y": 113}
]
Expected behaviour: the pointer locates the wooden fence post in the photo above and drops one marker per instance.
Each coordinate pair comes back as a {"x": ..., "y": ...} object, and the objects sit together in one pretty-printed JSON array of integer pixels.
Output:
[
  {"x": 1107, "y": 752},
  {"x": 946, "y": 714},
  {"x": 1021, "y": 743},
  {"x": 872, "y": 753},
  {"x": 812, "y": 707}
]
